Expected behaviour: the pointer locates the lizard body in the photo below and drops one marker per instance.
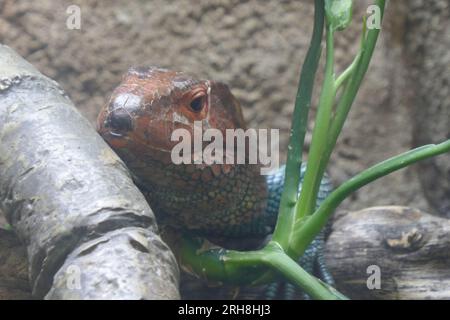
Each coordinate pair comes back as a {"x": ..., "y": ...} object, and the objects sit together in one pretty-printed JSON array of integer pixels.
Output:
[{"x": 230, "y": 204}]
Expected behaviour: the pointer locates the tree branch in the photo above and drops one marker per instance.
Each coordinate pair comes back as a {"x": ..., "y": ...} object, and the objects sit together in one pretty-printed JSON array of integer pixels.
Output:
[{"x": 89, "y": 232}]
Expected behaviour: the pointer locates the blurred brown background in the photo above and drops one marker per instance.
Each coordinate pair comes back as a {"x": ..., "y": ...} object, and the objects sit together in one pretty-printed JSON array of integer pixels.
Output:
[{"x": 257, "y": 47}]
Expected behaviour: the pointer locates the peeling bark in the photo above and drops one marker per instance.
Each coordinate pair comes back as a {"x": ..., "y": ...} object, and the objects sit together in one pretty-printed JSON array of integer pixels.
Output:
[{"x": 88, "y": 231}]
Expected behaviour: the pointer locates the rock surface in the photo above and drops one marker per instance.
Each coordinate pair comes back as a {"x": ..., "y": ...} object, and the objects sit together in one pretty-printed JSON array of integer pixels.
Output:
[{"x": 427, "y": 49}]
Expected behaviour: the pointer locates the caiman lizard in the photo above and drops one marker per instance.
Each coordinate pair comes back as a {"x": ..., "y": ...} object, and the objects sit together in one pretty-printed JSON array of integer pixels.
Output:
[{"x": 229, "y": 204}]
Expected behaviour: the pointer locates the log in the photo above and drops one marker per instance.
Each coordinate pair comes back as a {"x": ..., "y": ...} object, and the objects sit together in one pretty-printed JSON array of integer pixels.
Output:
[
  {"x": 410, "y": 249},
  {"x": 89, "y": 232}
]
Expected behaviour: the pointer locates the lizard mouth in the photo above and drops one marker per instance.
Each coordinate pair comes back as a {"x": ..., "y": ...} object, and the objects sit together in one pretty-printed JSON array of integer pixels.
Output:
[
  {"x": 120, "y": 131},
  {"x": 115, "y": 134}
]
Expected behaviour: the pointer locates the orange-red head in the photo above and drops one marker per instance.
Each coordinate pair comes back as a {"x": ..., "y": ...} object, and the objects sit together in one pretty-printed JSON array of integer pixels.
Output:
[{"x": 151, "y": 102}]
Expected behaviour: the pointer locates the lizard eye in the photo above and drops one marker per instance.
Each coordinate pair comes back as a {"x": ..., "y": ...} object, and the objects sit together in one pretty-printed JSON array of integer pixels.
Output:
[{"x": 198, "y": 103}]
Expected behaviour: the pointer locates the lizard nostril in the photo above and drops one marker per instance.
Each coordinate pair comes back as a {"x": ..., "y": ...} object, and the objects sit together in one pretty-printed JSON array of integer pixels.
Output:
[{"x": 119, "y": 120}]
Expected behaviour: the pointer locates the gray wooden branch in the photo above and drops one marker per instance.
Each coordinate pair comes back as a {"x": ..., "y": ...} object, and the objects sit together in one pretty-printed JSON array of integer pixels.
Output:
[
  {"x": 88, "y": 231},
  {"x": 410, "y": 248}
]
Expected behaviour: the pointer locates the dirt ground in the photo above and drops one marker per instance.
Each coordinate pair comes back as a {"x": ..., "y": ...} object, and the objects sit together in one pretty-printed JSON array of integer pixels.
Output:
[{"x": 257, "y": 47}]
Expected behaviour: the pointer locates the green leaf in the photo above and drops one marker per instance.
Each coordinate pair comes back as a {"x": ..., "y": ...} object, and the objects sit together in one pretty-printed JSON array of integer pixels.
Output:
[{"x": 338, "y": 13}]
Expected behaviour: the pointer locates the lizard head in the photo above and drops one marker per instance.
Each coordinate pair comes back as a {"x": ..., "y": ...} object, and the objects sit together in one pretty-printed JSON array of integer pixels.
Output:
[
  {"x": 138, "y": 122},
  {"x": 151, "y": 102}
]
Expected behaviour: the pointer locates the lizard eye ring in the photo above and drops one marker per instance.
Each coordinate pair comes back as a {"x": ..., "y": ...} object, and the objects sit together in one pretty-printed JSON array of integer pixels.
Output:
[{"x": 198, "y": 102}]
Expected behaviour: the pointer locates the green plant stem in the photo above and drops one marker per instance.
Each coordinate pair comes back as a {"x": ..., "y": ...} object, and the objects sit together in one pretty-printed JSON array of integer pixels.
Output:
[
  {"x": 313, "y": 177},
  {"x": 354, "y": 83},
  {"x": 220, "y": 265},
  {"x": 291, "y": 270},
  {"x": 309, "y": 229},
  {"x": 347, "y": 72},
  {"x": 250, "y": 268},
  {"x": 298, "y": 131},
  {"x": 352, "y": 77}
]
